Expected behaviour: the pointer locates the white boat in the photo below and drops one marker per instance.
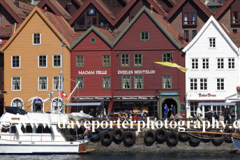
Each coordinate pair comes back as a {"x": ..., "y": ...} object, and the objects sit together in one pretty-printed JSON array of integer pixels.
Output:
[{"x": 23, "y": 132}]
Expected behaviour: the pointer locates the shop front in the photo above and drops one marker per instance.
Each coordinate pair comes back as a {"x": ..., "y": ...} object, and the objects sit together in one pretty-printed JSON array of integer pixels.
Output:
[
  {"x": 171, "y": 99},
  {"x": 86, "y": 109},
  {"x": 135, "y": 105}
]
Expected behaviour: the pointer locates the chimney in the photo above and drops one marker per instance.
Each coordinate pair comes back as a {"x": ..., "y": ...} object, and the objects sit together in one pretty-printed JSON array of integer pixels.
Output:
[
  {"x": 16, "y": 2},
  {"x": 165, "y": 16},
  {"x": 32, "y": 2},
  {"x": 151, "y": 7}
]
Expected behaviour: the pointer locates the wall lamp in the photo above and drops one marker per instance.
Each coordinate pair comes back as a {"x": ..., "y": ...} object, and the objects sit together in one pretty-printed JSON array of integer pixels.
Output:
[
  {"x": 117, "y": 54},
  {"x": 172, "y": 55}
]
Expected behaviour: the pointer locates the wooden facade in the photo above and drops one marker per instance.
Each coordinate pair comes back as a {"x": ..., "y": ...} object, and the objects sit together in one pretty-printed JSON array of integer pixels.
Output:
[{"x": 29, "y": 70}]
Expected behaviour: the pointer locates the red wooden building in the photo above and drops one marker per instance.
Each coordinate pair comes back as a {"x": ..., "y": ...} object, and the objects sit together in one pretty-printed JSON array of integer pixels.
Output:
[
  {"x": 138, "y": 82},
  {"x": 91, "y": 64}
]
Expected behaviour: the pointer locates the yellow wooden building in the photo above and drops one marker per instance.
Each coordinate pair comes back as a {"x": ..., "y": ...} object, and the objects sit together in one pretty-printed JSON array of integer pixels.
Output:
[{"x": 33, "y": 61}]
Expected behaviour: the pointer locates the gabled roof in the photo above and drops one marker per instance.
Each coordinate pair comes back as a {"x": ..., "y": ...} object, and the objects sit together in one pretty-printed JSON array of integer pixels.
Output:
[
  {"x": 103, "y": 34},
  {"x": 225, "y": 35},
  {"x": 164, "y": 26},
  {"x": 197, "y": 2},
  {"x": 13, "y": 10},
  {"x": 105, "y": 11},
  {"x": 55, "y": 7},
  {"x": 56, "y": 23},
  {"x": 223, "y": 8}
]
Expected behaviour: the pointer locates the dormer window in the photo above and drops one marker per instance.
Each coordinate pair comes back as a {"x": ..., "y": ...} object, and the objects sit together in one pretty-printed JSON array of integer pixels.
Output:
[
  {"x": 189, "y": 18},
  {"x": 90, "y": 17},
  {"x": 235, "y": 18}
]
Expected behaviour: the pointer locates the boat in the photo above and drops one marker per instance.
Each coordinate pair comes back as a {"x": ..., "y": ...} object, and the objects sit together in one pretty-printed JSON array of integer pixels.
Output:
[{"x": 28, "y": 132}]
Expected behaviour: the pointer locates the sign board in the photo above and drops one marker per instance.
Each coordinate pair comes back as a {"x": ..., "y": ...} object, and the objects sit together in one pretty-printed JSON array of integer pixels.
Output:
[
  {"x": 169, "y": 93},
  {"x": 38, "y": 101},
  {"x": 92, "y": 98},
  {"x": 136, "y": 71},
  {"x": 134, "y": 98},
  {"x": 207, "y": 95},
  {"x": 92, "y": 72}
]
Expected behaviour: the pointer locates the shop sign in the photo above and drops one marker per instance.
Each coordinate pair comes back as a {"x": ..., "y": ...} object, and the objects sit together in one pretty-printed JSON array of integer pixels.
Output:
[
  {"x": 37, "y": 101},
  {"x": 134, "y": 98},
  {"x": 92, "y": 98},
  {"x": 206, "y": 95},
  {"x": 169, "y": 94},
  {"x": 91, "y": 72},
  {"x": 136, "y": 71}
]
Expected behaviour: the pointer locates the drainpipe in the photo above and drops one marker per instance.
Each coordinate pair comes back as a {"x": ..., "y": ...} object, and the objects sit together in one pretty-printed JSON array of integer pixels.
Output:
[{"x": 112, "y": 82}]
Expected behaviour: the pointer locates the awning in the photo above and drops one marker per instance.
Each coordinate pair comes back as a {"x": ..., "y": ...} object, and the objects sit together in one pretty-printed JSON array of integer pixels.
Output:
[
  {"x": 85, "y": 104},
  {"x": 216, "y": 104}
]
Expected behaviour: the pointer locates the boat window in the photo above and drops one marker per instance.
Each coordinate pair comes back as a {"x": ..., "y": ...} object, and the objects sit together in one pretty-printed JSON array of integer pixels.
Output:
[
  {"x": 28, "y": 129},
  {"x": 13, "y": 129},
  {"x": 41, "y": 129}
]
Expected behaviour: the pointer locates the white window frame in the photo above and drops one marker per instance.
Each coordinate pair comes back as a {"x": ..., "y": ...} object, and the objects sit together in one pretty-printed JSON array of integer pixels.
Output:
[
  {"x": 53, "y": 84},
  {"x": 224, "y": 82},
  {"x": 40, "y": 37},
  {"x": 17, "y": 98},
  {"x": 191, "y": 60},
  {"x": 223, "y": 63},
  {"x": 205, "y": 63},
  {"x": 12, "y": 84},
  {"x": 12, "y": 61},
  {"x": 46, "y": 60},
  {"x": 55, "y": 98},
  {"x": 193, "y": 82},
  {"x": 38, "y": 83},
  {"x": 60, "y": 60},
  {"x": 228, "y": 63},
  {"x": 203, "y": 83},
  {"x": 209, "y": 45}
]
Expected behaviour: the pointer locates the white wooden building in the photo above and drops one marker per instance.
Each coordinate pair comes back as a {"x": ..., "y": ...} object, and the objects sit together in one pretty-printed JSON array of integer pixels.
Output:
[{"x": 212, "y": 76}]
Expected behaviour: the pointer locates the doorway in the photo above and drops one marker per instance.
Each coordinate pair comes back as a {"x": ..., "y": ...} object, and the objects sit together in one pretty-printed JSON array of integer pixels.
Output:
[{"x": 169, "y": 102}]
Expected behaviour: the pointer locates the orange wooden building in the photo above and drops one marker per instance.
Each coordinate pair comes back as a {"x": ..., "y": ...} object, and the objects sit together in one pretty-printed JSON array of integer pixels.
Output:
[{"x": 33, "y": 60}]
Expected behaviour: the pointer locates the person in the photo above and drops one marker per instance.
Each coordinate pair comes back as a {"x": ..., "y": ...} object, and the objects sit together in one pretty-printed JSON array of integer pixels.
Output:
[
  {"x": 119, "y": 117},
  {"x": 199, "y": 114},
  {"x": 172, "y": 117},
  {"x": 216, "y": 117},
  {"x": 104, "y": 112},
  {"x": 98, "y": 112},
  {"x": 210, "y": 114},
  {"x": 135, "y": 117},
  {"x": 166, "y": 111},
  {"x": 226, "y": 114},
  {"x": 92, "y": 113},
  {"x": 221, "y": 118},
  {"x": 131, "y": 117},
  {"x": 170, "y": 111}
]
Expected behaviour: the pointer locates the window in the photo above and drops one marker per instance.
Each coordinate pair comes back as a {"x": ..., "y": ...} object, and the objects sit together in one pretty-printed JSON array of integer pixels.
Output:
[
  {"x": 79, "y": 61},
  {"x": 166, "y": 57},
  {"x": 81, "y": 84},
  {"x": 15, "y": 61},
  {"x": 56, "y": 61},
  {"x": 138, "y": 60},
  {"x": 144, "y": 36},
  {"x": 235, "y": 17},
  {"x": 56, "y": 83},
  {"x": 194, "y": 63},
  {"x": 106, "y": 82},
  {"x": 205, "y": 63},
  {"x": 220, "y": 84},
  {"x": 193, "y": 106},
  {"x": 189, "y": 18},
  {"x": 203, "y": 84},
  {"x": 90, "y": 17},
  {"x": 125, "y": 60},
  {"x": 218, "y": 109},
  {"x": 186, "y": 35},
  {"x": 166, "y": 81},
  {"x": 193, "y": 84},
  {"x": 231, "y": 63},
  {"x": 17, "y": 102},
  {"x": 138, "y": 82},
  {"x": 36, "y": 38},
  {"x": 126, "y": 82},
  {"x": 194, "y": 33},
  {"x": 42, "y": 61},
  {"x": 57, "y": 102},
  {"x": 42, "y": 83},
  {"x": 106, "y": 60},
  {"x": 220, "y": 63},
  {"x": 212, "y": 42},
  {"x": 16, "y": 83}
]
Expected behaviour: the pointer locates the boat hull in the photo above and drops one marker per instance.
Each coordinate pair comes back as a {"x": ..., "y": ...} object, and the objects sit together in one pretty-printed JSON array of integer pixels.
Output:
[
  {"x": 236, "y": 142},
  {"x": 11, "y": 147}
]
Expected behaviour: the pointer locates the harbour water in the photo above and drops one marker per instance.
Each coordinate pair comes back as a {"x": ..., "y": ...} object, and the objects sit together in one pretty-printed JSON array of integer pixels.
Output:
[{"x": 123, "y": 156}]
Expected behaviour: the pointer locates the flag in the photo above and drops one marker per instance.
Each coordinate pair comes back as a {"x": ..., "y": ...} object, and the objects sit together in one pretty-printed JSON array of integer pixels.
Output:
[
  {"x": 63, "y": 94},
  {"x": 172, "y": 65}
]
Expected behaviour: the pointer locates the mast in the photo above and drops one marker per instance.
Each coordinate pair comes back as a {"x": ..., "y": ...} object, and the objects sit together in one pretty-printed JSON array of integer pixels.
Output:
[{"x": 63, "y": 45}]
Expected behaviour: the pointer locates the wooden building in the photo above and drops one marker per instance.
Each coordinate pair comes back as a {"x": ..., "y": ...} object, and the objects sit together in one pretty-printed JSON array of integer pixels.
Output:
[
  {"x": 138, "y": 82},
  {"x": 33, "y": 60},
  {"x": 91, "y": 64}
]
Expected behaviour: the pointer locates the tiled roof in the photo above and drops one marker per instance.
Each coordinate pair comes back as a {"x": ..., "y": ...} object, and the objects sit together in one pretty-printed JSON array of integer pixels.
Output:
[
  {"x": 25, "y": 7},
  {"x": 235, "y": 37},
  {"x": 162, "y": 4},
  {"x": 115, "y": 6},
  {"x": 6, "y": 30},
  {"x": 17, "y": 10},
  {"x": 61, "y": 25},
  {"x": 63, "y": 12},
  {"x": 106, "y": 34},
  {"x": 105, "y": 8},
  {"x": 168, "y": 27}
]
